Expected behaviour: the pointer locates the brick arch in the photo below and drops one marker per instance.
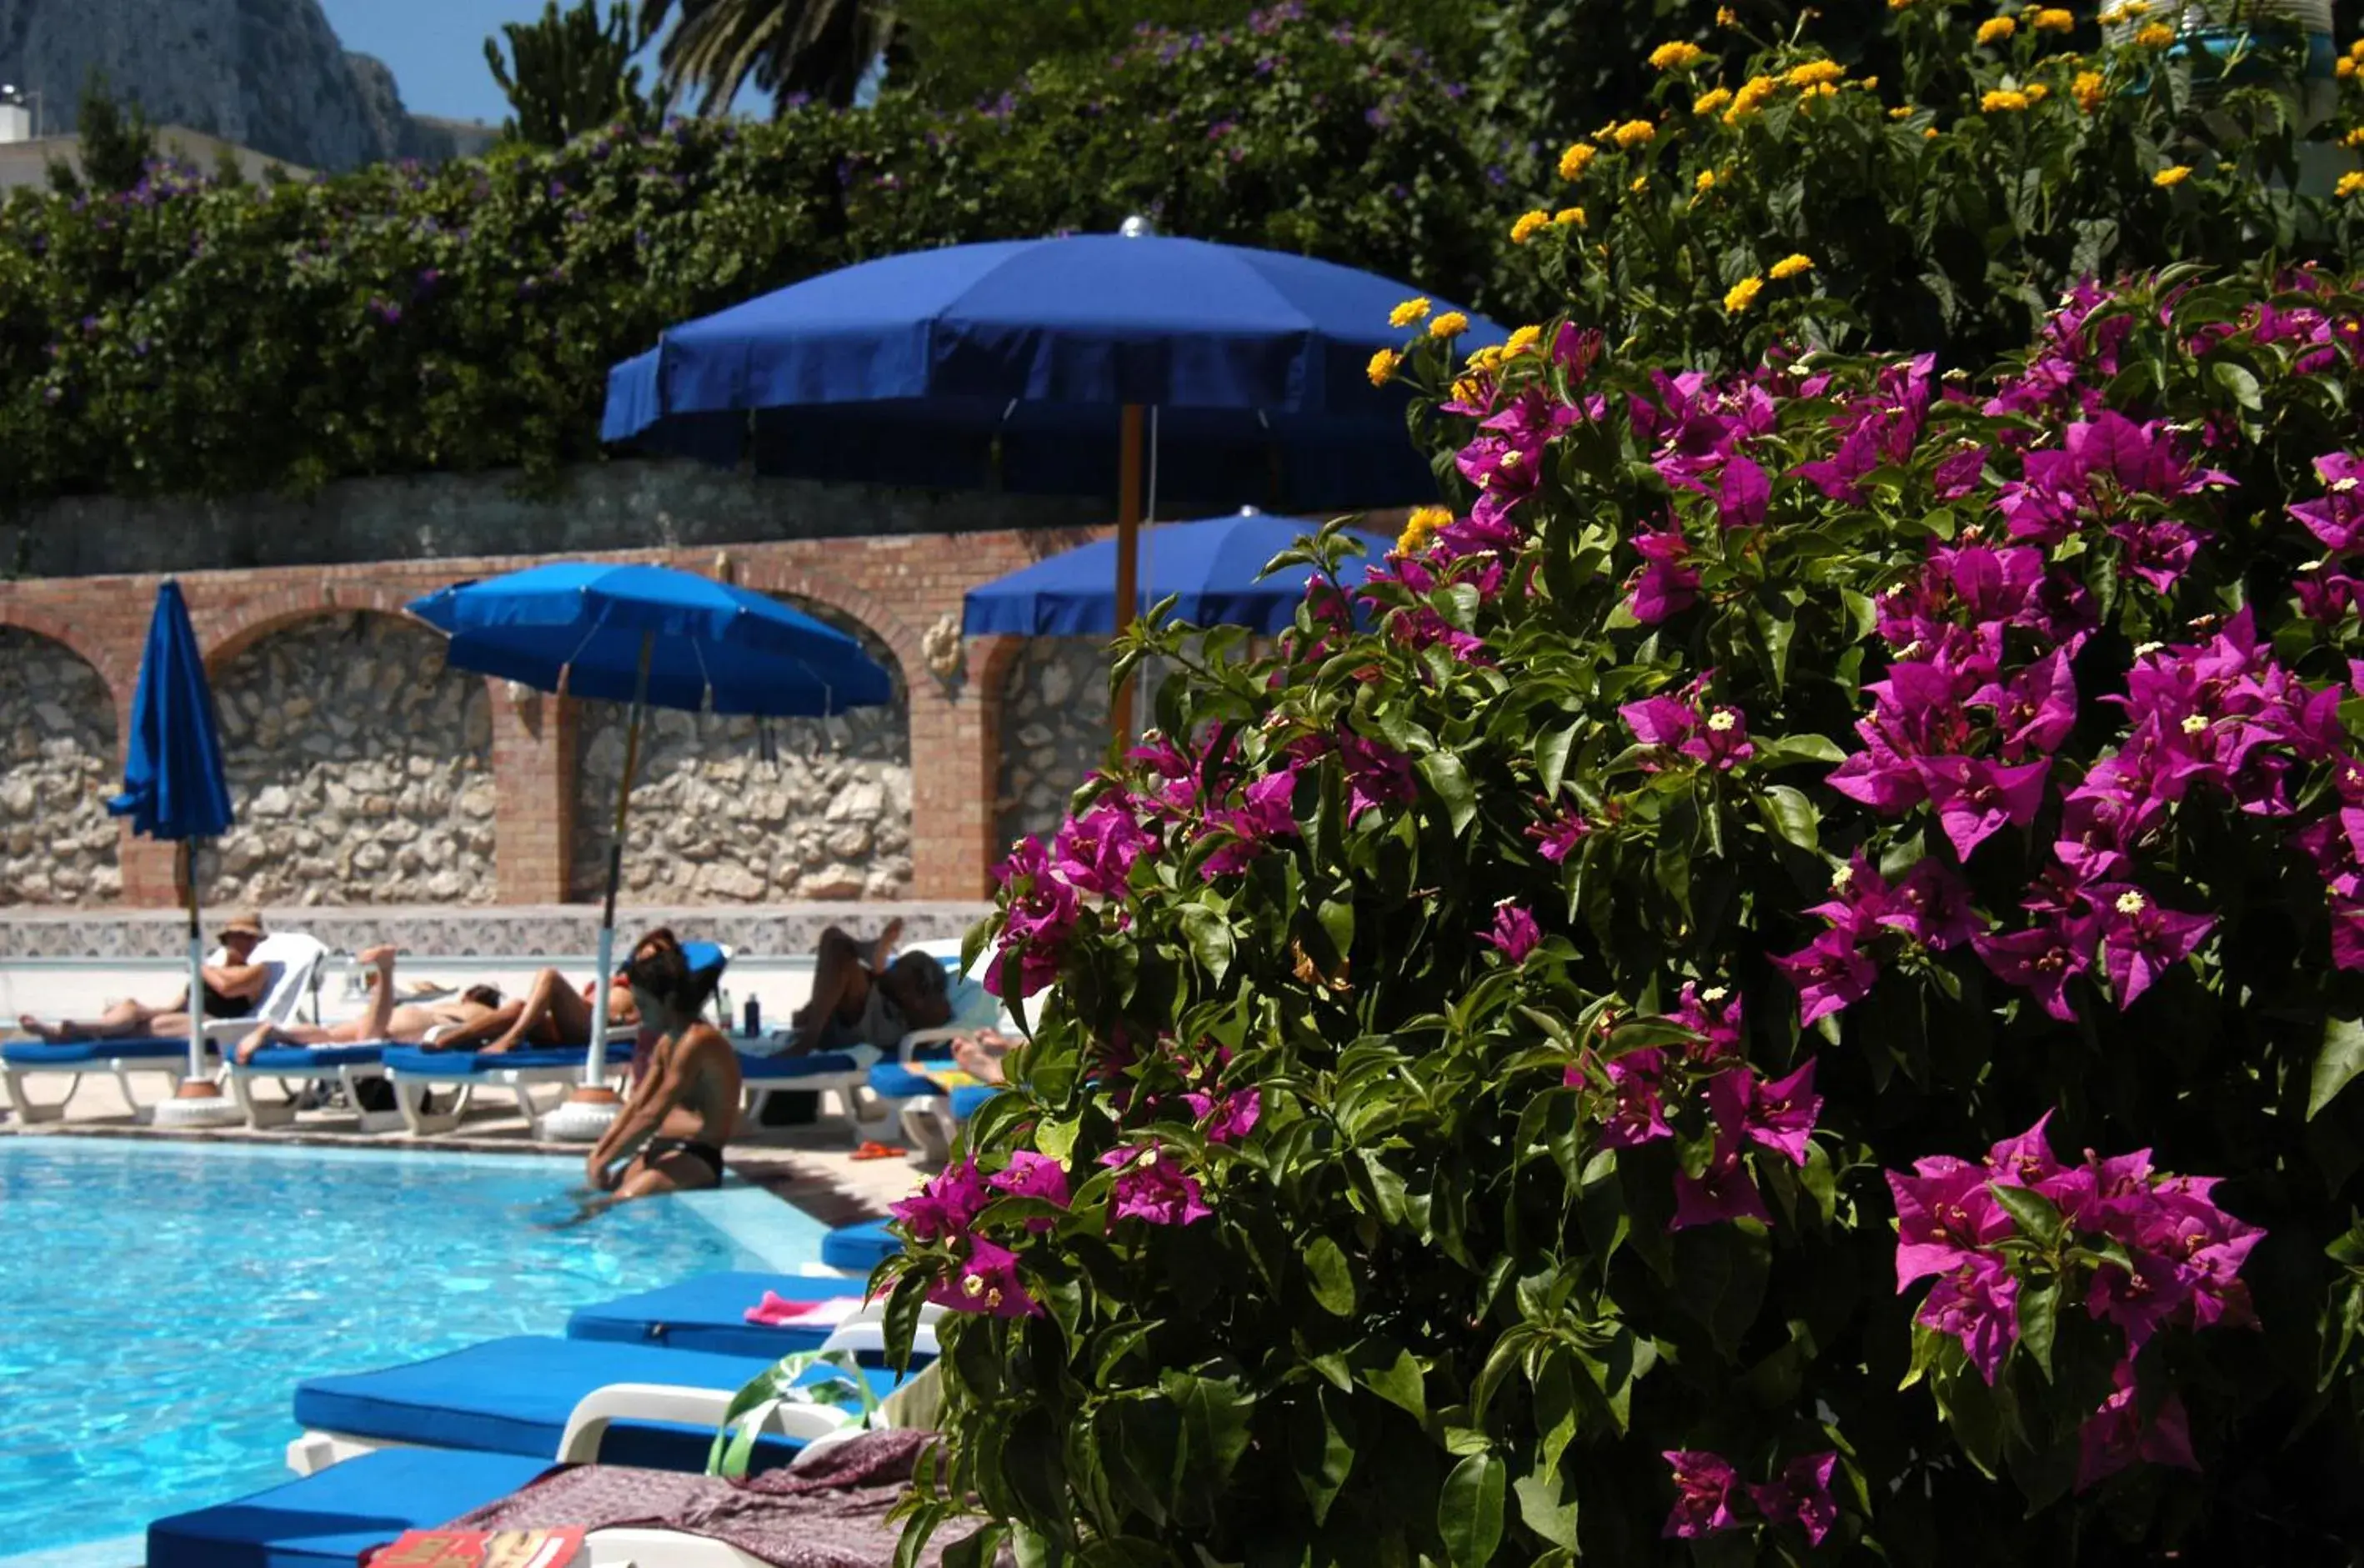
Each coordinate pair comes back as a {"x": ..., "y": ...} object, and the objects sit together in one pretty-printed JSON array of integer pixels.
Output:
[
  {"x": 117, "y": 666},
  {"x": 902, "y": 639},
  {"x": 227, "y": 631}
]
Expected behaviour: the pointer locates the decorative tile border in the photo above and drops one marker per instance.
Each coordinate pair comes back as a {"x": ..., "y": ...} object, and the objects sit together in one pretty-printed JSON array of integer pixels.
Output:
[{"x": 499, "y": 932}]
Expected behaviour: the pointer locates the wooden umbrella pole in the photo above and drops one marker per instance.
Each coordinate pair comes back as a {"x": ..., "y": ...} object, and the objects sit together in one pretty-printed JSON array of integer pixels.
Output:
[
  {"x": 594, "y": 1071},
  {"x": 1128, "y": 552}
]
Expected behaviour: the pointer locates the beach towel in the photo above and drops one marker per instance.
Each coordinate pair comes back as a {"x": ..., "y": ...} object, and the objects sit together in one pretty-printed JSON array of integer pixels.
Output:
[
  {"x": 829, "y": 1514},
  {"x": 775, "y": 1313}
]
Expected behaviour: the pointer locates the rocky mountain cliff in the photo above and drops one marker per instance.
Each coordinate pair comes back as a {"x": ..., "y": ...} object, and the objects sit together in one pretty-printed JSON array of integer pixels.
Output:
[{"x": 266, "y": 73}]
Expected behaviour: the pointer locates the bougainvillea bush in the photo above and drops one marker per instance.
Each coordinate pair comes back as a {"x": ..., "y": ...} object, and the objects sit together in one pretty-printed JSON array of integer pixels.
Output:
[{"x": 1785, "y": 982}]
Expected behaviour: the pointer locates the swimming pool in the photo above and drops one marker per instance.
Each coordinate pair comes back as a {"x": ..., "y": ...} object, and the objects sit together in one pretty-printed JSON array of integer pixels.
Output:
[{"x": 159, "y": 1303}]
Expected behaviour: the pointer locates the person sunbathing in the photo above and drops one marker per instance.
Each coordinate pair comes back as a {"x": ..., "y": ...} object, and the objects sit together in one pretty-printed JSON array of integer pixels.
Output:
[
  {"x": 405, "y": 1022},
  {"x": 684, "y": 1106},
  {"x": 553, "y": 1011},
  {"x": 860, "y": 999},
  {"x": 231, "y": 990}
]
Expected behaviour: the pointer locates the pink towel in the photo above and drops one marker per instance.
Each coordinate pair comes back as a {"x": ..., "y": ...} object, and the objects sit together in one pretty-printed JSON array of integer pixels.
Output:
[{"x": 774, "y": 1313}]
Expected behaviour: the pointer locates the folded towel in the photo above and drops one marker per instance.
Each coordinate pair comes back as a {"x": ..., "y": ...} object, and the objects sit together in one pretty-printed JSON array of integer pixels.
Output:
[{"x": 774, "y": 1313}]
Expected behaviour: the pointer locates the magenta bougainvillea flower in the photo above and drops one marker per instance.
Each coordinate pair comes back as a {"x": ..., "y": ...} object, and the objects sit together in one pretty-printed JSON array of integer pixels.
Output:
[
  {"x": 1724, "y": 1191},
  {"x": 944, "y": 1208},
  {"x": 1041, "y": 911},
  {"x": 1706, "y": 1487},
  {"x": 1151, "y": 1186},
  {"x": 1557, "y": 836},
  {"x": 1030, "y": 1174},
  {"x": 987, "y": 1281},
  {"x": 1831, "y": 974},
  {"x": 2141, "y": 940},
  {"x": 1800, "y": 1494},
  {"x": 1778, "y": 1115},
  {"x": 1095, "y": 852},
  {"x": 1664, "y": 587},
  {"x": 1514, "y": 934},
  {"x": 1226, "y": 1119}
]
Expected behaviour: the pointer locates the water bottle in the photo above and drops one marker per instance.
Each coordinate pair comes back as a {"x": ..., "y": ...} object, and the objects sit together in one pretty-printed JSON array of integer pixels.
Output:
[{"x": 754, "y": 1021}]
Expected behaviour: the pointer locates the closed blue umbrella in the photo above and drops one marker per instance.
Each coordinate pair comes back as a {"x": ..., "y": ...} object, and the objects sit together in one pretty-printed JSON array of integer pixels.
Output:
[
  {"x": 1213, "y": 569},
  {"x": 174, "y": 785},
  {"x": 642, "y": 635},
  {"x": 1029, "y": 365}
]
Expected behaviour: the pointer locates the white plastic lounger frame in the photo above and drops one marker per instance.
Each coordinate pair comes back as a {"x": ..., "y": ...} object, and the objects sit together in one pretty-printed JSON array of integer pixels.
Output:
[
  {"x": 410, "y": 1091},
  {"x": 349, "y": 1075},
  {"x": 863, "y": 1331}
]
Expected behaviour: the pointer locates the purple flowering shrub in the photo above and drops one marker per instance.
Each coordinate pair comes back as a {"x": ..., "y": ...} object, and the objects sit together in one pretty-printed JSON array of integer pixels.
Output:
[{"x": 1792, "y": 985}]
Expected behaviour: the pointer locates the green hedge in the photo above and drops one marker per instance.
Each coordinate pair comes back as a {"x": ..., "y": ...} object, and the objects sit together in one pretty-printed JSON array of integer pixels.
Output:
[{"x": 189, "y": 339}]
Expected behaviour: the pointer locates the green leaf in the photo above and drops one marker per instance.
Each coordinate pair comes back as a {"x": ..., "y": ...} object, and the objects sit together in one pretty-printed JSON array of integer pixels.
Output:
[
  {"x": 1326, "y": 1272},
  {"x": 1322, "y": 1448},
  {"x": 1449, "y": 780},
  {"x": 2239, "y": 382},
  {"x": 1056, "y": 1137},
  {"x": 1469, "y": 1510},
  {"x": 1395, "y": 1379},
  {"x": 2341, "y": 1057},
  {"x": 2039, "y": 1320},
  {"x": 1542, "y": 1510},
  {"x": 1209, "y": 936},
  {"x": 2037, "y": 1215},
  {"x": 1792, "y": 817},
  {"x": 1552, "y": 752}
]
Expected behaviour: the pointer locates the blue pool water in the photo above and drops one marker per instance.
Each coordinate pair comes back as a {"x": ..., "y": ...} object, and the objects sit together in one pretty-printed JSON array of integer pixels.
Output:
[{"x": 160, "y": 1302}]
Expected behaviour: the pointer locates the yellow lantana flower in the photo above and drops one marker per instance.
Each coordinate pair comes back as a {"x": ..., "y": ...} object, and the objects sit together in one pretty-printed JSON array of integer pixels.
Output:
[
  {"x": 2086, "y": 90},
  {"x": 1529, "y": 224},
  {"x": 1641, "y": 182},
  {"x": 2156, "y": 35},
  {"x": 1821, "y": 90},
  {"x": 1997, "y": 29},
  {"x": 1569, "y": 215},
  {"x": 1523, "y": 340},
  {"x": 2053, "y": 19},
  {"x": 1929, "y": 133},
  {"x": 1743, "y": 294},
  {"x": 1750, "y": 98},
  {"x": 1709, "y": 102},
  {"x": 2349, "y": 183},
  {"x": 1791, "y": 266},
  {"x": 1678, "y": 56},
  {"x": 1814, "y": 72},
  {"x": 1725, "y": 17},
  {"x": 1899, "y": 5},
  {"x": 1634, "y": 133},
  {"x": 1576, "y": 160},
  {"x": 2356, "y": 50},
  {"x": 1410, "y": 311},
  {"x": 1901, "y": 112},
  {"x": 2126, "y": 12},
  {"x": 1489, "y": 358},
  {"x": 1705, "y": 182},
  {"x": 1382, "y": 368},
  {"x": 2003, "y": 101},
  {"x": 2172, "y": 176},
  {"x": 2343, "y": 68},
  {"x": 2037, "y": 92},
  {"x": 1422, "y": 526},
  {"x": 1452, "y": 324},
  {"x": 2353, "y": 138}
]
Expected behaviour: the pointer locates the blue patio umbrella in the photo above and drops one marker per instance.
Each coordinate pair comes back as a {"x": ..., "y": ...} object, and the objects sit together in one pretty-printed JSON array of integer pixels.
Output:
[
  {"x": 174, "y": 785},
  {"x": 1213, "y": 569},
  {"x": 1029, "y": 365},
  {"x": 642, "y": 635}
]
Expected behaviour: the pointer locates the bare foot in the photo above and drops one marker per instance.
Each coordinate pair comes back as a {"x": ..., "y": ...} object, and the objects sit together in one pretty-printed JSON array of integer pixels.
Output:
[
  {"x": 381, "y": 956},
  {"x": 252, "y": 1043},
  {"x": 48, "y": 1033},
  {"x": 885, "y": 946}
]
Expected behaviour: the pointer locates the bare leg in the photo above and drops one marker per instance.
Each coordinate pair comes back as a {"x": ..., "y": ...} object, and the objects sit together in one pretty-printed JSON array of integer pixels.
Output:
[
  {"x": 120, "y": 1021},
  {"x": 551, "y": 1010},
  {"x": 284, "y": 1034},
  {"x": 980, "y": 1055},
  {"x": 380, "y": 1007},
  {"x": 840, "y": 985},
  {"x": 673, "y": 1172}
]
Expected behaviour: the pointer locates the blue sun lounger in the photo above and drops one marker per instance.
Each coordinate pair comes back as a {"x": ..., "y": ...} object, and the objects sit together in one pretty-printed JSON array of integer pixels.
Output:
[
  {"x": 515, "y": 1396},
  {"x": 418, "y": 1072},
  {"x": 709, "y": 1313},
  {"x": 859, "y": 1248},
  {"x": 328, "y": 1520}
]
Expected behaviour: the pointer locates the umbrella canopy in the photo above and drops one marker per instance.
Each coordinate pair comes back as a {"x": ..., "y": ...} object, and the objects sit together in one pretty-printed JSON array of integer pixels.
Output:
[
  {"x": 581, "y": 628},
  {"x": 173, "y": 786},
  {"x": 1006, "y": 365},
  {"x": 1215, "y": 567}
]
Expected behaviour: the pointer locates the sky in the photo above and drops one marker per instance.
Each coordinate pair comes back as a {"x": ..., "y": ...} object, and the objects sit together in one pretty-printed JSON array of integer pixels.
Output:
[{"x": 436, "y": 49}]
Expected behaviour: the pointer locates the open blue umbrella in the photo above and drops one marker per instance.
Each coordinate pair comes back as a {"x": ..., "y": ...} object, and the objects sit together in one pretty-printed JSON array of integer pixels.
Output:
[
  {"x": 642, "y": 635},
  {"x": 174, "y": 785},
  {"x": 1029, "y": 365},
  {"x": 1213, "y": 569}
]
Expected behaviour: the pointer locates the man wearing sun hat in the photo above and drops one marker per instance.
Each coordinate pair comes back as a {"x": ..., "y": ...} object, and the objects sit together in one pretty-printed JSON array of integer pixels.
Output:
[{"x": 234, "y": 983}]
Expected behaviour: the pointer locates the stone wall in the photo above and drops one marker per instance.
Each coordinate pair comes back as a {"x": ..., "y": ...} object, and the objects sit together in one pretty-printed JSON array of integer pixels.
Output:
[
  {"x": 57, "y": 768},
  {"x": 1055, "y": 730},
  {"x": 360, "y": 769},
  {"x": 733, "y": 810}
]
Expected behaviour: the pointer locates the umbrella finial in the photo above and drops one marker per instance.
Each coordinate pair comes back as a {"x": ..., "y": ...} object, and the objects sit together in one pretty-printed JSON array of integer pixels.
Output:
[{"x": 1137, "y": 227}]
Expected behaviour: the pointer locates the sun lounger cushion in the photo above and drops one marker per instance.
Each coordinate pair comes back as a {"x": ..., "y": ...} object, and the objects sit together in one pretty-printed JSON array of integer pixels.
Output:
[
  {"x": 82, "y": 1052},
  {"x": 307, "y": 1058},
  {"x": 773, "y": 1069},
  {"x": 514, "y": 1396},
  {"x": 709, "y": 1313},
  {"x": 893, "y": 1081},
  {"x": 969, "y": 1097},
  {"x": 419, "y": 1062},
  {"x": 333, "y": 1517},
  {"x": 858, "y": 1248}
]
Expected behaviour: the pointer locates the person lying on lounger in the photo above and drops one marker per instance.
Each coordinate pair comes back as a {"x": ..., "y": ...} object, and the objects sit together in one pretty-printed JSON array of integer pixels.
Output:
[
  {"x": 385, "y": 1020},
  {"x": 232, "y": 988},
  {"x": 553, "y": 1011},
  {"x": 860, "y": 999},
  {"x": 685, "y": 1105}
]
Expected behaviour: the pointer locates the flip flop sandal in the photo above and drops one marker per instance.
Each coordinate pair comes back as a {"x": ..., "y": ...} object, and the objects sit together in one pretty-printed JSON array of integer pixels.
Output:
[{"x": 874, "y": 1150}]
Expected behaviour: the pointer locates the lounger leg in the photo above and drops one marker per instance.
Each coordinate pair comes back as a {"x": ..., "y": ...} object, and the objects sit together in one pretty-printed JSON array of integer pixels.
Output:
[
  {"x": 259, "y": 1113},
  {"x": 21, "y": 1100},
  {"x": 410, "y": 1102},
  {"x": 351, "y": 1077}
]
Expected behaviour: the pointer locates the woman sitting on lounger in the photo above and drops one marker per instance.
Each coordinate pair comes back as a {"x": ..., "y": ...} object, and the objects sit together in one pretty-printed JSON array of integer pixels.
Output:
[
  {"x": 553, "y": 1011},
  {"x": 384, "y": 1021}
]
